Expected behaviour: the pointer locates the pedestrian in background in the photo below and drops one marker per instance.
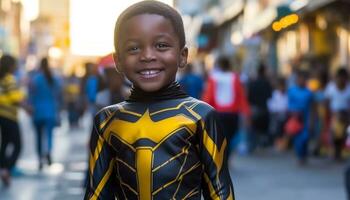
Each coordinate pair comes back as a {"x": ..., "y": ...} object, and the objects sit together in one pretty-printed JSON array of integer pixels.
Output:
[
  {"x": 45, "y": 93},
  {"x": 226, "y": 94},
  {"x": 92, "y": 85},
  {"x": 192, "y": 83},
  {"x": 71, "y": 99},
  {"x": 113, "y": 93},
  {"x": 11, "y": 98},
  {"x": 338, "y": 96},
  {"x": 259, "y": 91},
  {"x": 278, "y": 105},
  {"x": 300, "y": 105}
]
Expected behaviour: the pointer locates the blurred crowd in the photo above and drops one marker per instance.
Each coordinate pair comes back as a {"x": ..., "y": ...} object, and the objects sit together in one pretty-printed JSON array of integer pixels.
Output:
[
  {"x": 43, "y": 93},
  {"x": 306, "y": 111}
]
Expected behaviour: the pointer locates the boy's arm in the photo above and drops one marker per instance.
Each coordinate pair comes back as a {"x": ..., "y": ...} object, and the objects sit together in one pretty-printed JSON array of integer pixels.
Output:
[
  {"x": 100, "y": 183},
  {"x": 213, "y": 151}
]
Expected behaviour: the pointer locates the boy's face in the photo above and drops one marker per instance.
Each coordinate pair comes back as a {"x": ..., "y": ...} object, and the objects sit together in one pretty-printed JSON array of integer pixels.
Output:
[{"x": 149, "y": 52}]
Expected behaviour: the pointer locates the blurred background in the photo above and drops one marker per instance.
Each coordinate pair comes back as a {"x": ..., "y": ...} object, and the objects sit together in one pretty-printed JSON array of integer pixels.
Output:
[{"x": 292, "y": 58}]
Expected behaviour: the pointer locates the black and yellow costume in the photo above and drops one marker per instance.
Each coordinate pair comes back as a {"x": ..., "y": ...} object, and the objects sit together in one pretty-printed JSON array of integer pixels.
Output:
[
  {"x": 164, "y": 145},
  {"x": 11, "y": 97}
]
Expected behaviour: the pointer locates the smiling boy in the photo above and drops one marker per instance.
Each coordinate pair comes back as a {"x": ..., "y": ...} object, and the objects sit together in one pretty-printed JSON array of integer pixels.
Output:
[{"x": 160, "y": 143}]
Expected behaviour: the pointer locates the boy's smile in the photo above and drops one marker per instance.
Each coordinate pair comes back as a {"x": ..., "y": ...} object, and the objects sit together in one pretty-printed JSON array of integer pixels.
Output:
[{"x": 149, "y": 52}]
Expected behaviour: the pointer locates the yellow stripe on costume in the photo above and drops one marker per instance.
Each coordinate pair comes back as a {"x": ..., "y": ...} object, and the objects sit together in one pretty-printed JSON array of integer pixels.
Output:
[
  {"x": 16, "y": 96},
  {"x": 4, "y": 99},
  {"x": 96, "y": 154},
  {"x": 9, "y": 115},
  {"x": 144, "y": 160},
  {"x": 212, "y": 192},
  {"x": 230, "y": 197},
  {"x": 216, "y": 154},
  {"x": 103, "y": 182}
]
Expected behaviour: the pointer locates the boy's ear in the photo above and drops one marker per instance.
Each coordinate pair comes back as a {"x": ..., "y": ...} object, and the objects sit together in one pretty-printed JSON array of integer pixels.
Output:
[
  {"x": 183, "y": 57},
  {"x": 116, "y": 63}
]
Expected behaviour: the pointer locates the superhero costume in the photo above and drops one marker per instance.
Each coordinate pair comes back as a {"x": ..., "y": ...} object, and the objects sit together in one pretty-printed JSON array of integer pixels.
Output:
[{"x": 162, "y": 145}]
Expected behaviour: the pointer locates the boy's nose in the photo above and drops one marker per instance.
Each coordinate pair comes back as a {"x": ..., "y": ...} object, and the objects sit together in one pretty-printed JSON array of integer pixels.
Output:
[{"x": 147, "y": 55}]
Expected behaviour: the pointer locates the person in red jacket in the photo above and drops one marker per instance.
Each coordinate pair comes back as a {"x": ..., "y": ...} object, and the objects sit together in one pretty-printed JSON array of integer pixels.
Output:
[{"x": 226, "y": 94}]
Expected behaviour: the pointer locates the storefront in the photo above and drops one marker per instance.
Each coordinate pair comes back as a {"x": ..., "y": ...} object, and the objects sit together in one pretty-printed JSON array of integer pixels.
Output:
[{"x": 320, "y": 39}]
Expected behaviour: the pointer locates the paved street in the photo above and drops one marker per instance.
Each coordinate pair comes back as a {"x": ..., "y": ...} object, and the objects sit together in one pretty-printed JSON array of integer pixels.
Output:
[
  {"x": 63, "y": 179},
  {"x": 264, "y": 176},
  {"x": 273, "y": 176}
]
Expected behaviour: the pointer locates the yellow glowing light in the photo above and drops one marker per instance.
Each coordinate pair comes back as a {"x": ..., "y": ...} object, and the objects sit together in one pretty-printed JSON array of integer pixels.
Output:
[
  {"x": 55, "y": 53},
  {"x": 294, "y": 18},
  {"x": 285, "y": 22},
  {"x": 92, "y": 25},
  {"x": 313, "y": 84},
  {"x": 276, "y": 26}
]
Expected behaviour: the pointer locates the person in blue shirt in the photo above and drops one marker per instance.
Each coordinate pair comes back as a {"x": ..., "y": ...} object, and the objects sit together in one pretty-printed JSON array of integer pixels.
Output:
[
  {"x": 191, "y": 82},
  {"x": 45, "y": 99},
  {"x": 300, "y": 102}
]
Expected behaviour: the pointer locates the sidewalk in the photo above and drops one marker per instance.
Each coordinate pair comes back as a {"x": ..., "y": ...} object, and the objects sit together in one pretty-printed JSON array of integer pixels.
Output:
[
  {"x": 269, "y": 175},
  {"x": 63, "y": 179}
]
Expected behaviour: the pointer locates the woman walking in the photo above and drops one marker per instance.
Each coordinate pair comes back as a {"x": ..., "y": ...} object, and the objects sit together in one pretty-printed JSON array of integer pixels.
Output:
[{"x": 44, "y": 97}]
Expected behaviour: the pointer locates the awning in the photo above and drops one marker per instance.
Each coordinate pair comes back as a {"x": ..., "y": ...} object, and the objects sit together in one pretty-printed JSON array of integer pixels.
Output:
[{"x": 313, "y": 5}]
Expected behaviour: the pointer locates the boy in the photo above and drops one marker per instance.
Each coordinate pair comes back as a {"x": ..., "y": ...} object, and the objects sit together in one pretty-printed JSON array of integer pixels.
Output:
[{"x": 160, "y": 143}]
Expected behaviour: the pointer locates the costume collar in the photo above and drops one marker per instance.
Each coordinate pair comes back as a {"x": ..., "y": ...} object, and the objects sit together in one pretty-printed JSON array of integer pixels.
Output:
[{"x": 171, "y": 91}]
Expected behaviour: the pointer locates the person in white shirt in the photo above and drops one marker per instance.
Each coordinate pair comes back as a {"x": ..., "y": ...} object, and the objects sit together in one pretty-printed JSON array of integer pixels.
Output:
[
  {"x": 338, "y": 96},
  {"x": 278, "y": 105}
]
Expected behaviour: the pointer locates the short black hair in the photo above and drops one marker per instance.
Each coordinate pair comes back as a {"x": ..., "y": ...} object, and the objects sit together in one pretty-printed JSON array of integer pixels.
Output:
[
  {"x": 7, "y": 64},
  {"x": 261, "y": 69},
  {"x": 302, "y": 73},
  {"x": 342, "y": 73},
  {"x": 224, "y": 63},
  {"x": 151, "y": 7}
]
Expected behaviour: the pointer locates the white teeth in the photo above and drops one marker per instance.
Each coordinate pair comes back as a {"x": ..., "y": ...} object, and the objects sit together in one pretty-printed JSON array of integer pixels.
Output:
[{"x": 149, "y": 72}]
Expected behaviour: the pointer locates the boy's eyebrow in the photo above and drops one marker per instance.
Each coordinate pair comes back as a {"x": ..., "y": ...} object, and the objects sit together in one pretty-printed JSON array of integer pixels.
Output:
[
  {"x": 131, "y": 40},
  {"x": 161, "y": 35}
]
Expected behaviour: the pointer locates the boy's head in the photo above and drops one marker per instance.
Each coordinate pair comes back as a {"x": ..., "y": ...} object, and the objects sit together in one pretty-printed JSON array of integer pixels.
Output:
[
  {"x": 281, "y": 84},
  {"x": 261, "y": 70},
  {"x": 302, "y": 77},
  {"x": 7, "y": 65},
  {"x": 224, "y": 63},
  {"x": 341, "y": 77},
  {"x": 149, "y": 42}
]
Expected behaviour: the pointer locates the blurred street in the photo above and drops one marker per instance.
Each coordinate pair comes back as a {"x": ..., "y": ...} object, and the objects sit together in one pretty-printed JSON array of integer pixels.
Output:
[
  {"x": 64, "y": 178},
  {"x": 273, "y": 176},
  {"x": 265, "y": 175}
]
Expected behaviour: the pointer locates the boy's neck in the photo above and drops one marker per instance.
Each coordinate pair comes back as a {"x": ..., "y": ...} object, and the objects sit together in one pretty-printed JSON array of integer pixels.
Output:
[{"x": 171, "y": 91}]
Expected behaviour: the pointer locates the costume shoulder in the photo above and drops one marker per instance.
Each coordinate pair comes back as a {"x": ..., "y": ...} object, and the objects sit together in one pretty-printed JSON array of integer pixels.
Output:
[
  {"x": 105, "y": 115},
  {"x": 200, "y": 107}
]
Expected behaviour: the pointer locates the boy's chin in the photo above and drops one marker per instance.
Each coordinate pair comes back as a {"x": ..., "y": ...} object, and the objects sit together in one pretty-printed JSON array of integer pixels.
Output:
[{"x": 150, "y": 87}]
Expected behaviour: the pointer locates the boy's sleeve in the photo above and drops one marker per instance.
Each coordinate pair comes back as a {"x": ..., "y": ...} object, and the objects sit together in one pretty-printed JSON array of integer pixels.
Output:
[
  {"x": 100, "y": 185},
  {"x": 216, "y": 182}
]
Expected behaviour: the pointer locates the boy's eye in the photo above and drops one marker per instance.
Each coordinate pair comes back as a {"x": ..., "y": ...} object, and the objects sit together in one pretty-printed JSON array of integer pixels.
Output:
[
  {"x": 162, "y": 46},
  {"x": 132, "y": 49}
]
